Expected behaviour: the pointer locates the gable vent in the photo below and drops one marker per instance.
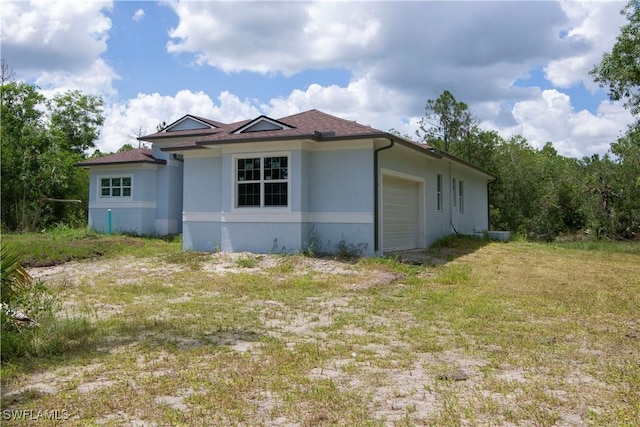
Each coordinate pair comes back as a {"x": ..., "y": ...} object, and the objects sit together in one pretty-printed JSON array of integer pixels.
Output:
[{"x": 262, "y": 124}]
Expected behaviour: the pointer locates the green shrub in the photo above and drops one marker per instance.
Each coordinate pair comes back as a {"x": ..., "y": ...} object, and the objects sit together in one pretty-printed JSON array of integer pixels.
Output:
[{"x": 45, "y": 333}]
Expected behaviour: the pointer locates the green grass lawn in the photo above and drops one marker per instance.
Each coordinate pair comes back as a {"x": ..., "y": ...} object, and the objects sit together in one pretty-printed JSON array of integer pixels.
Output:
[
  {"x": 481, "y": 334},
  {"x": 64, "y": 244}
]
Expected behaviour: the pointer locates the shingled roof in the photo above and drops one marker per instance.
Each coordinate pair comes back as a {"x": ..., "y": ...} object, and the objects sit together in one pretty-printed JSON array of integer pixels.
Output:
[
  {"x": 212, "y": 126},
  {"x": 137, "y": 155},
  {"x": 311, "y": 124}
]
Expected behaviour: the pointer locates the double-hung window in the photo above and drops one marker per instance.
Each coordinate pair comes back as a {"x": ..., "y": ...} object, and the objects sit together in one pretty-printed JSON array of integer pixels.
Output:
[
  {"x": 454, "y": 196},
  {"x": 439, "y": 192},
  {"x": 115, "y": 187},
  {"x": 262, "y": 181}
]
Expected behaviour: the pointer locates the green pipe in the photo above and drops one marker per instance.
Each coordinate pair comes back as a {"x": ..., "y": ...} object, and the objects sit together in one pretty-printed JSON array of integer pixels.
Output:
[{"x": 109, "y": 227}]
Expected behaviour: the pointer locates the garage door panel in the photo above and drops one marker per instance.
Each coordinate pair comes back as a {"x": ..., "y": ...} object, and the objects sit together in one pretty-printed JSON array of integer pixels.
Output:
[{"x": 400, "y": 213}]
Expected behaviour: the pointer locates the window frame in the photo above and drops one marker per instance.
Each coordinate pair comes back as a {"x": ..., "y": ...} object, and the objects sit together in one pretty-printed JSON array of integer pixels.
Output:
[
  {"x": 262, "y": 181},
  {"x": 439, "y": 192},
  {"x": 461, "y": 196},
  {"x": 454, "y": 196},
  {"x": 111, "y": 187}
]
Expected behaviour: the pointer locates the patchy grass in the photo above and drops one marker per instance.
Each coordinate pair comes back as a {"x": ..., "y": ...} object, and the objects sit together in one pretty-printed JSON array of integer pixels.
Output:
[
  {"x": 479, "y": 333},
  {"x": 64, "y": 244}
]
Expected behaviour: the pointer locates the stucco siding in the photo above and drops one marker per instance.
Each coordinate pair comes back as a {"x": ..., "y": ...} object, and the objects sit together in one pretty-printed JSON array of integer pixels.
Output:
[
  {"x": 329, "y": 192},
  {"x": 260, "y": 237},
  {"x": 340, "y": 181},
  {"x": 201, "y": 236},
  {"x": 474, "y": 216},
  {"x": 331, "y": 200},
  {"x": 403, "y": 160},
  {"x": 123, "y": 220},
  {"x": 203, "y": 184},
  {"x": 448, "y": 219},
  {"x": 134, "y": 214},
  {"x": 327, "y": 237},
  {"x": 169, "y": 197}
]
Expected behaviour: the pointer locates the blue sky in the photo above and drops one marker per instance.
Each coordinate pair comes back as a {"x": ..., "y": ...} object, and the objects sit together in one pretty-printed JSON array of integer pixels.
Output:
[{"x": 522, "y": 67}]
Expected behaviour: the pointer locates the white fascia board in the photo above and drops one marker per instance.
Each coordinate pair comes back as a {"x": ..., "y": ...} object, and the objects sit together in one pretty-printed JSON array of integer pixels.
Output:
[
  {"x": 197, "y": 154},
  {"x": 133, "y": 166},
  {"x": 260, "y": 147},
  {"x": 334, "y": 145}
]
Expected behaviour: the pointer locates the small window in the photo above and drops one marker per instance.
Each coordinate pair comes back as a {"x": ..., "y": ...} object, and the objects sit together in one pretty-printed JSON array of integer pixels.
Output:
[
  {"x": 115, "y": 187},
  {"x": 454, "y": 196},
  {"x": 439, "y": 192},
  {"x": 262, "y": 181},
  {"x": 461, "y": 196}
]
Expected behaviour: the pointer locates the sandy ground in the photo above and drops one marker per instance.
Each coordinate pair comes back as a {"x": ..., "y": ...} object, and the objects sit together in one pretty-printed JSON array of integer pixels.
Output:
[{"x": 395, "y": 393}]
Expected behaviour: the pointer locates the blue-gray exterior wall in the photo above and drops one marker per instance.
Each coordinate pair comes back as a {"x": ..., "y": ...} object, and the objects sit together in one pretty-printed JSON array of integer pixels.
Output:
[
  {"x": 331, "y": 201},
  {"x": 202, "y": 196},
  {"x": 155, "y": 205},
  {"x": 168, "y": 218},
  {"x": 449, "y": 219},
  {"x": 135, "y": 214}
]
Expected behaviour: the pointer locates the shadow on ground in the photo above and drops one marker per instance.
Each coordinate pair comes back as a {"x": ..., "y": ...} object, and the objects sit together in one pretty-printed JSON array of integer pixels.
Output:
[{"x": 441, "y": 252}]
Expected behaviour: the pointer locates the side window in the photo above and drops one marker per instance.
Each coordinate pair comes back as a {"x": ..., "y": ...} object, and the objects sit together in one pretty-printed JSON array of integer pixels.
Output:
[
  {"x": 461, "y": 196},
  {"x": 115, "y": 187},
  {"x": 439, "y": 192},
  {"x": 454, "y": 196}
]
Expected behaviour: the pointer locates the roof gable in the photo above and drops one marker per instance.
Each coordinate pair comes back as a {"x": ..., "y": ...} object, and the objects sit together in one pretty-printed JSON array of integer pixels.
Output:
[
  {"x": 189, "y": 122},
  {"x": 262, "y": 123}
]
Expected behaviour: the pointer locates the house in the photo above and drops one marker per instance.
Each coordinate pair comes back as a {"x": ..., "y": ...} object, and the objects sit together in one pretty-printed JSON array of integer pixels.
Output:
[{"x": 308, "y": 180}]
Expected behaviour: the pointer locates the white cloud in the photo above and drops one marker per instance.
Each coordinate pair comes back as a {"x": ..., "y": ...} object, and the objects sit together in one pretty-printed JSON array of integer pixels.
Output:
[
  {"x": 96, "y": 79},
  {"x": 53, "y": 36},
  {"x": 599, "y": 24},
  {"x": 399, "y": 55},
  {"x": 363, "y": 100},
  {"x": 138, "y": 15},
  {"x": 272, "y": 37},
  {"x": 146, "y": 111},
  {"x": 551, "y": 117}
]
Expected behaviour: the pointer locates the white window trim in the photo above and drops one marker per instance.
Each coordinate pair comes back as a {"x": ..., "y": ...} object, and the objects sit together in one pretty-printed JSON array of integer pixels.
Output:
[
  {"x": 439, "y": 199},
  {"x": 461, "y": 196},
  {"x": 234, "y": 182},
  {"x": 111, "y": 176}
]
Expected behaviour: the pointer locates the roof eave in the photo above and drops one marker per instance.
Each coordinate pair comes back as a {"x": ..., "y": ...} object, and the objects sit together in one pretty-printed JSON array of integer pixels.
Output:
[
  {"x": 156, "y": 136},
  {"x": 88, "y": 165},
  {"x": 466, "y": 163}
]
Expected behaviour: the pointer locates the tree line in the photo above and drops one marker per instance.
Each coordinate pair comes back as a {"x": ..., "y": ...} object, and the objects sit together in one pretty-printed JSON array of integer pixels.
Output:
[{"x": 538, "y": 193}]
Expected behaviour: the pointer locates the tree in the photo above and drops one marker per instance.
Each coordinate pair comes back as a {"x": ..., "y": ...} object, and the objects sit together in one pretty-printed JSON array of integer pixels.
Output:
[
  {"x": 619, "y": 70},
  {"x": 76, "y": 119},
  {"x": 447, "y": 124},
  {"x": 627, "y": 150},
  {"x": 617, "y": 181},
  {"x": 21, "y": 136},
  {"x": 6, "y": 72},
  {"x": 41, "y": 141},
  {"x": 125, "y": 147}
]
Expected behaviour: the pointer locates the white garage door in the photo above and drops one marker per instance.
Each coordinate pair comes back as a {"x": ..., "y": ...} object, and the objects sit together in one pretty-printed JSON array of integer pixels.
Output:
[{"x": 399, "y": 214}]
